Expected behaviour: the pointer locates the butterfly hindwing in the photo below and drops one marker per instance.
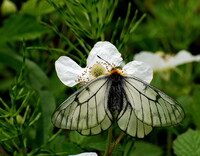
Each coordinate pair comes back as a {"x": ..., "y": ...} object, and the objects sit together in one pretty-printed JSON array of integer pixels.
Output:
[
  {"x": 103, "y": 125},
  {"x": 150, "y": 105},
  {"x": 130, "y": 124},
  {"x": 86, "y": 110}
]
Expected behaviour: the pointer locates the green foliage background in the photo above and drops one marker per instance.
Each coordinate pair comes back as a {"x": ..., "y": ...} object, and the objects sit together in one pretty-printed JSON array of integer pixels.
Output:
[{"x": 34, "y": 36}]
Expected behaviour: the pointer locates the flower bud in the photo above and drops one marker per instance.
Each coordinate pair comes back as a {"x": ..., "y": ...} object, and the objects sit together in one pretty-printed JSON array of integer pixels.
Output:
[{"x": 8, "y": 7}]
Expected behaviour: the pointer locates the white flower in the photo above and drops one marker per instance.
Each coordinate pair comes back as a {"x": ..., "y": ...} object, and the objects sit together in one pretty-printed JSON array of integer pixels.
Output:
[
  {"x": 102, "y": 58},
  {"x": 86, "y": 154},
  {"x": 159, "y": 61}
]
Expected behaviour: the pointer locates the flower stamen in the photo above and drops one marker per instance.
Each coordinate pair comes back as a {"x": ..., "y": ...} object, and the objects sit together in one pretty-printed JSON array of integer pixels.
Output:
[{"x": 98, "y": 70}]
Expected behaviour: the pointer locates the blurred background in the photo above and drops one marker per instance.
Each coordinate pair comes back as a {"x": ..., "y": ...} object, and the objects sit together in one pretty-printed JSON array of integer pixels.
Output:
[{"x": 35, "y": 33}]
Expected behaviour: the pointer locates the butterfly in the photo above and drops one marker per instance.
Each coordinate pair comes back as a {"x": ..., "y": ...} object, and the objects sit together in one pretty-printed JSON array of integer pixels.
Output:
[{"x": 133, "y": 104}]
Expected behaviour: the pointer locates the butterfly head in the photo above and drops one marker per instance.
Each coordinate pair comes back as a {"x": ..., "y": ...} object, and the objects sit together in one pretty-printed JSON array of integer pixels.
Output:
[
  {"x": 115, "y": 70},
  {"x": 111, "y": 68}
]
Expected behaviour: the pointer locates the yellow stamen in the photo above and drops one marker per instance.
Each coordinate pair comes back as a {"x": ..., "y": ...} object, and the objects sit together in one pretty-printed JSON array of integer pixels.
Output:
[{"x": 98, "y": 70}]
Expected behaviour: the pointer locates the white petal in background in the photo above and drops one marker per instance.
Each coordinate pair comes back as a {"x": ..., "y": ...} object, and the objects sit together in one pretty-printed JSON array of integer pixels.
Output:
[
  {"x": 155, "y": 61},
  {"x": 182, "y": 57},
  {"x": 86, "y": 154},
  {"x": 158, "y": 62}
]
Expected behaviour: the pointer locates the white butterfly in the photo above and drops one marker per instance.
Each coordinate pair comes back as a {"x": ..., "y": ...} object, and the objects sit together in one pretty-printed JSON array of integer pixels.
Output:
[{"x": 133, "y": 104}]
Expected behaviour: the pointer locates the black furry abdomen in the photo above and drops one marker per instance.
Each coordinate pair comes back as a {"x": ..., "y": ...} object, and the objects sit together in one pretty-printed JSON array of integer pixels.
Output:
[{"x": 116, "y": 93}]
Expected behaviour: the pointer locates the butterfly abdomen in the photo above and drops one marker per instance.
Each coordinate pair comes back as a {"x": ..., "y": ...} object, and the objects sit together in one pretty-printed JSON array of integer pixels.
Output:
[{"x": 115, "y": 97}]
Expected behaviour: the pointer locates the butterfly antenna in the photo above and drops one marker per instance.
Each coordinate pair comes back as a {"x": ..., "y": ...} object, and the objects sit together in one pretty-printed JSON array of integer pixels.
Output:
[{"x": 104, "y": 60}]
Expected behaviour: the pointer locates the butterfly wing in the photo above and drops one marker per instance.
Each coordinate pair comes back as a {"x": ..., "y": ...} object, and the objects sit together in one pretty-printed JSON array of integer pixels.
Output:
[
  {"x": 86, "y": 110},
  {"x": 130, "y": 124},
  {"x": 150, "y": 105},
  {"x": 105, "y": 124}
]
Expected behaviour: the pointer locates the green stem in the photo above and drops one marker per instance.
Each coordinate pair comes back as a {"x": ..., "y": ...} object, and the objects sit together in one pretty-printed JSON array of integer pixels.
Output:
[
  {"x": 22, "y": 146},
  {"x": 169, "y": 143},
  {"x": 116, "y": 143},
  {"x": 109, "y": 149},
  {"x": 109, "y": 140}
]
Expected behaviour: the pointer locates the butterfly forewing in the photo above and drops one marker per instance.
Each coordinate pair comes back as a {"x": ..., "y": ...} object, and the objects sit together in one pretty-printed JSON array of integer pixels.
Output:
[
  {"x": 152, "y": 106},
  {"x": 86, "y": 110}
]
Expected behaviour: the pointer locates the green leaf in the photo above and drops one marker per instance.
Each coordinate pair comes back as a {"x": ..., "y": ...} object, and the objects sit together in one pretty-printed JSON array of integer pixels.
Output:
[
  {"x": 142, "y": 148},
  {"x": 36, "y": 77},
  {"x": 61, "y": 144},
  {"x": 45, "y": 126},
  {"x": 19, "y": 27},
  {"x": 76, "y": 137},
  {"x": 195, "y": 106},
  {"x": 34, "y": 7},
  {"x": 95, "y": 142},
  {"x": 187, "y": 144},
  {"x": 91, "y": 142}
]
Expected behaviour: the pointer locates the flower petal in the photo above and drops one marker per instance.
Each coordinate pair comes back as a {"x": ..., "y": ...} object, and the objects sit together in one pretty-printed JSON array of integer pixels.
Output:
[
  {"x": 86, "y": 154},
  {"x": 106, "y": 51},
  {"x": 181, "y": 58},
  {"x": 68, "y": 70},
  {"x": 140, "y": 70},
  {"x": 155, "y": 61}
]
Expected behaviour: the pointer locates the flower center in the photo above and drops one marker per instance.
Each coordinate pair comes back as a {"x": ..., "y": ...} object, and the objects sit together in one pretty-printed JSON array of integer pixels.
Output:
[
  {"x": 98, "y": 70},
  {"x": 166, "y": 57}
]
